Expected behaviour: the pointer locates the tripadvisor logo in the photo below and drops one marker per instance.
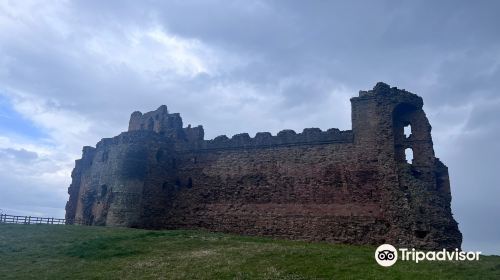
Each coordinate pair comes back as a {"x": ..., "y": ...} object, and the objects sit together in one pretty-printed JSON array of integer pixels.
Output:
[{"x": 387, "y": 255}]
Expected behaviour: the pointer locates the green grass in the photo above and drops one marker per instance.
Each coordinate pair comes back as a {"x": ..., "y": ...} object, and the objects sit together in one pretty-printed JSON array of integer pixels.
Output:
[{"x": 79, "y": 252}]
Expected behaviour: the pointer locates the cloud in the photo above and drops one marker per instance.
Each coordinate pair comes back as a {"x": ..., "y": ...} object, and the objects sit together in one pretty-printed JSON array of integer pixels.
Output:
[
  {"x": 20, "y": 155},
  {"x": 34, "y": 177},
  {"x": 71, "y": 72}
]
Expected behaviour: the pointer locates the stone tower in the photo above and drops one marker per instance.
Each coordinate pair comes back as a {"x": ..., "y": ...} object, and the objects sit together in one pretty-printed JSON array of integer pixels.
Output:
[{"x": 418, "y": 191}]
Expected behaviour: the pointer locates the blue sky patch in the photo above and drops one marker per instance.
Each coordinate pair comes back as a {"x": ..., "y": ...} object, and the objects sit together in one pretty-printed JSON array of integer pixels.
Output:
[{"x": 11, "y": 122}]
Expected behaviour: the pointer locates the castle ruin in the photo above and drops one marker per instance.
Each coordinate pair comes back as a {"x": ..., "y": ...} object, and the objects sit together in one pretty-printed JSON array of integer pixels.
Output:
[{"x": 354, "y": 186}]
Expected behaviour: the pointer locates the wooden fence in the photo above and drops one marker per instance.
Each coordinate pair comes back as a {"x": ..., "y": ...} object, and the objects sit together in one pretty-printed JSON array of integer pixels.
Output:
[{"x": 29, "y": 220}]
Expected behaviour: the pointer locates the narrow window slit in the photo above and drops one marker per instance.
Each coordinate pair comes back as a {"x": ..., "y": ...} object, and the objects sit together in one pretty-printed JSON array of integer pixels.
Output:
[
  {"x": 407, "y": 130},
  {"x": 409, "y": 155}
]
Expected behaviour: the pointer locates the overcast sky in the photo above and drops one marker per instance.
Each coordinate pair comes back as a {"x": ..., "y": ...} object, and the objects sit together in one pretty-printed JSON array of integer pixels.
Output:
[{"x": 72, "y": 72}]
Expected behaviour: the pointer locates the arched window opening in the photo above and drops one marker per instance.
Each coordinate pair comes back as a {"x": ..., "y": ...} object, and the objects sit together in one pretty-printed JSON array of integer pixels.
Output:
[
  {"x": 407, "y": 130},
  {"x": 409, "y": 155}
]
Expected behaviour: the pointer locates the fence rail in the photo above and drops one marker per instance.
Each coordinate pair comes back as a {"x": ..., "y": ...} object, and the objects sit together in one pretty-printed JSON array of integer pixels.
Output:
[{"x": 28, "y": 220}]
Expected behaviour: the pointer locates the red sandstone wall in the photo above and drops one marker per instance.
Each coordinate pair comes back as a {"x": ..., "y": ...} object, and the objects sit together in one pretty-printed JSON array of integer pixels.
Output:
[{"x": 309, "y": 192}]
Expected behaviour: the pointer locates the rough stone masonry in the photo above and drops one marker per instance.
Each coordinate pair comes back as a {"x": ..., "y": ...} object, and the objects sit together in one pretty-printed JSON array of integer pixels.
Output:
[{"x": 354, "y": 186}]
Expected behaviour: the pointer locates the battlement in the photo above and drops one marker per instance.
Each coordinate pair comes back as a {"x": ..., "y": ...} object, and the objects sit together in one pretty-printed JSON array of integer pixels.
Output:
[{"x": 287, "y": 137}]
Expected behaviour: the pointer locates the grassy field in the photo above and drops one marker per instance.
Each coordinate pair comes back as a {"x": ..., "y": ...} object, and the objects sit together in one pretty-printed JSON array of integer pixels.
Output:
[{"x": 79, "y": 252}]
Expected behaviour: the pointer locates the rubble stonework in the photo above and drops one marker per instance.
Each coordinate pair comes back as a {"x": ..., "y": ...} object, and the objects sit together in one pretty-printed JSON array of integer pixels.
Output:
[{"x": 352, "y": 186}]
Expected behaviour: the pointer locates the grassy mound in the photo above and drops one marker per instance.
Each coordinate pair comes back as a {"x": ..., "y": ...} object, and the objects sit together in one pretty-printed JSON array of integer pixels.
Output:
[{"x": 79, "y": 252}]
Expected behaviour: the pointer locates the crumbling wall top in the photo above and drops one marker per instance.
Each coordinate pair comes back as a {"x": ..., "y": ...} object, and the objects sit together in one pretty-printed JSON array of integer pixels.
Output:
[
  {"x": 383, "y": 91},
  {"x": 159, "y": 121}
]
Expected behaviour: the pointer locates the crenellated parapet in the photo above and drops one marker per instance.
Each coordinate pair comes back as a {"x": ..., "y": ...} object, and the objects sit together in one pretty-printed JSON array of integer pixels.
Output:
[{"x": 309, "y": 136}]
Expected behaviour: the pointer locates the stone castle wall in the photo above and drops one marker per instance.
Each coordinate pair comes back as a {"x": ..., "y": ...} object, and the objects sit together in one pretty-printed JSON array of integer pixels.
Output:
[{"x": 350, "y": 186}]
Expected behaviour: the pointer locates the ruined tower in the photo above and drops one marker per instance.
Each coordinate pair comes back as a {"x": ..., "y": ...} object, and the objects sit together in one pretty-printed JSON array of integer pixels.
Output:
[{"x": 353, "y": 186}]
